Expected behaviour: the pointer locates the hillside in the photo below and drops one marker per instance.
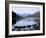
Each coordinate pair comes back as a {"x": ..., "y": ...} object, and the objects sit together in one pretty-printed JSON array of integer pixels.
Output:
[{"x": 37, "y": 14}]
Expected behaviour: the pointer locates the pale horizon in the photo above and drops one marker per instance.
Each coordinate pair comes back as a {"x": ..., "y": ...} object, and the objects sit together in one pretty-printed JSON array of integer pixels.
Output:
[{"x": 25, "y": 10}]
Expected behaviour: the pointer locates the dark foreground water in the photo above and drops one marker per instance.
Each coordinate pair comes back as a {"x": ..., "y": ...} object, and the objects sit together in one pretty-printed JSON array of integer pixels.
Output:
[{"x": 27, "y": 24}]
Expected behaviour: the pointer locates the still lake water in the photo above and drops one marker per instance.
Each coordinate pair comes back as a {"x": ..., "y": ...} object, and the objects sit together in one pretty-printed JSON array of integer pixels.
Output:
[{"x": 27, "y": 21}]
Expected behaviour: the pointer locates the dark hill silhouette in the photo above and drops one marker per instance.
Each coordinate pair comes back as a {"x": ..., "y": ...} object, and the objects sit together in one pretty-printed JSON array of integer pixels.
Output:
[{"x": 15, "y": 17}]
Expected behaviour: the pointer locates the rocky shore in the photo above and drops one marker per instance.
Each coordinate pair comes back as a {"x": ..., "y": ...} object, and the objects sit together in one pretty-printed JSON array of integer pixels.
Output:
[{"x": 27, "y": 28}]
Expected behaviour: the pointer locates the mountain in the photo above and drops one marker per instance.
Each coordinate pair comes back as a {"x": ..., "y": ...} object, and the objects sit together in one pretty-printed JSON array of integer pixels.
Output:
[
  {"x": 37, "y": 14},
  {"x": 15, "y": 17},
  {"x": 18, "y": 17}
]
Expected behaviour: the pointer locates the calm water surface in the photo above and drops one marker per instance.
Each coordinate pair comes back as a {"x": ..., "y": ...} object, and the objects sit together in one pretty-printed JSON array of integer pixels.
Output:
[{"x": 27, "y": 21}]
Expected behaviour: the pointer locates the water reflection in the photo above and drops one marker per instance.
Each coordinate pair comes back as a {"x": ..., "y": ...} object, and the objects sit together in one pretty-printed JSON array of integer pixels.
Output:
[{"x": 28, "y": 23}]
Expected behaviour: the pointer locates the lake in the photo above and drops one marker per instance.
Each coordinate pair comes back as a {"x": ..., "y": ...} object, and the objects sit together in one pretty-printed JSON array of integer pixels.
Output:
[{"x": 27, "y": 21}]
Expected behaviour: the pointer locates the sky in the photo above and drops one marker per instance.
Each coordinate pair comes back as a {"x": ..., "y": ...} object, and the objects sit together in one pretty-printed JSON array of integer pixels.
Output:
[{"x": 25, "y": 10}]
